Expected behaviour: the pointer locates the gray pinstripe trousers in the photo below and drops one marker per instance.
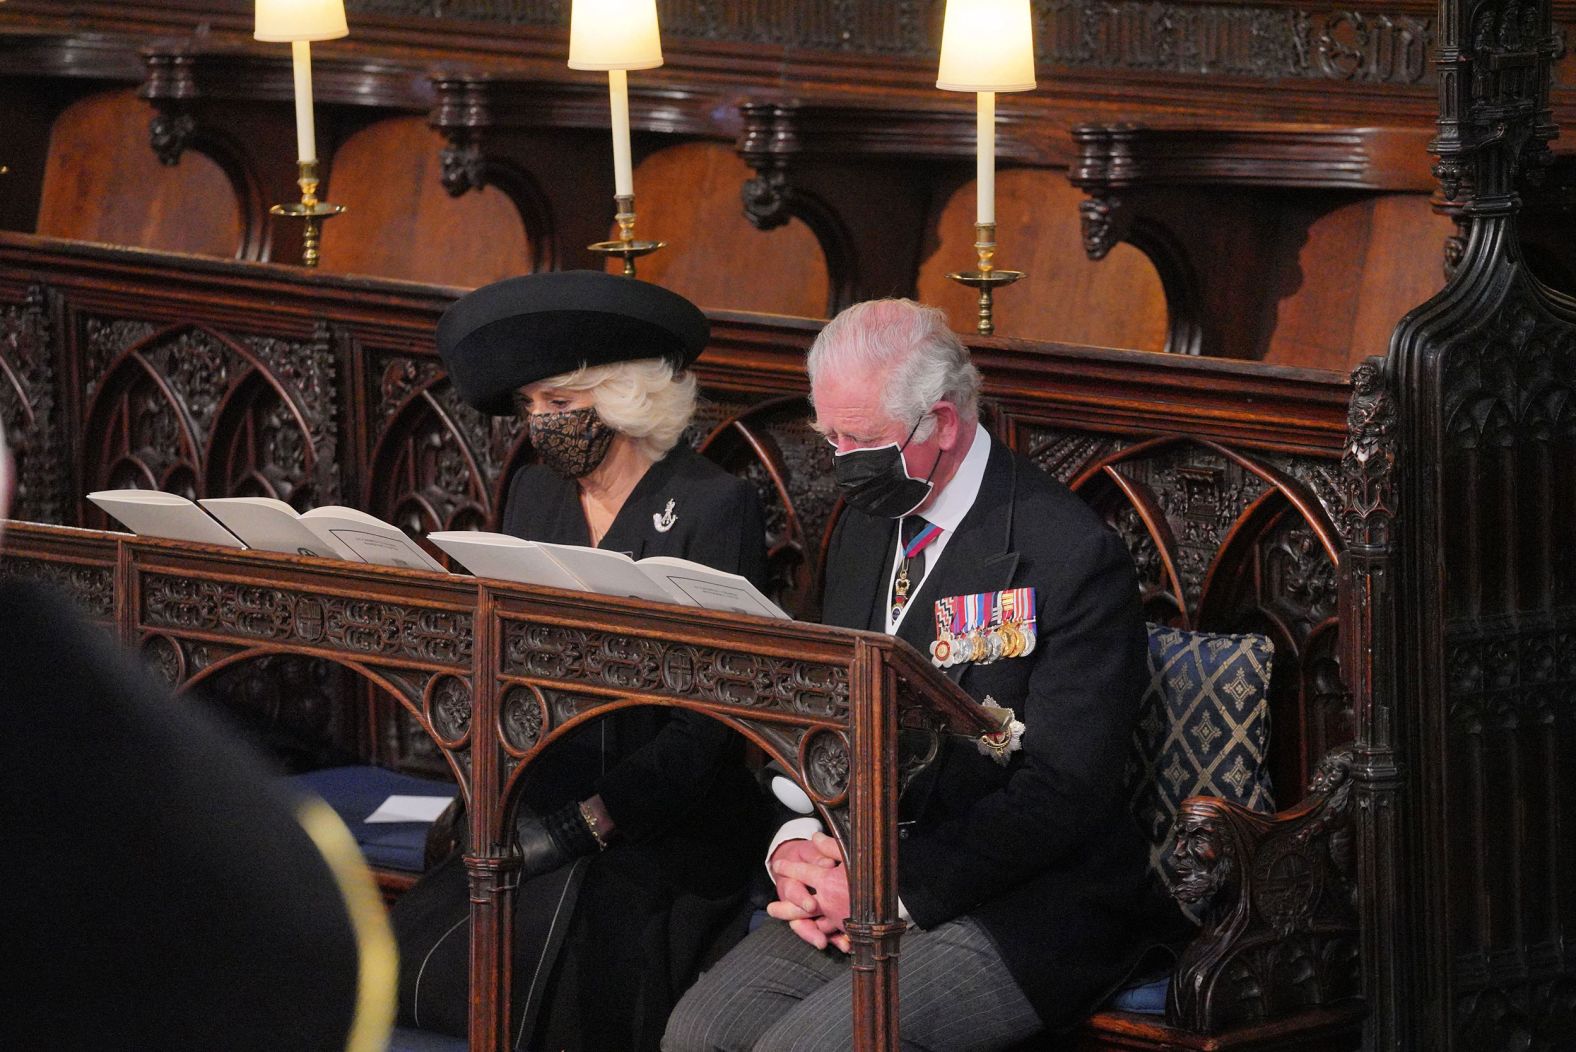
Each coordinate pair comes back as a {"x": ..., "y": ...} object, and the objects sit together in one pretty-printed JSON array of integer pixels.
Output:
[{"x": 776, "y": 993}]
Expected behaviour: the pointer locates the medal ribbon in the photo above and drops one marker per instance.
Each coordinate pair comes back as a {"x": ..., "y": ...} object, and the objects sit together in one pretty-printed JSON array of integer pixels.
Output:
[{"x": 922, "y": 540}]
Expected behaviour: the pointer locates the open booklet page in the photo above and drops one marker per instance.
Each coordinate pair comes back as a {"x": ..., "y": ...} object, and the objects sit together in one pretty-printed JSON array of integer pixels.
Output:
[
  {"x": 150, "y": 513},
  {"x": 713, "y": 589},
  {"x": 662, "y": 579},
  {"x": 274, "y": 526},
  {"x": 266, "y": 524},
  {"x": 610, "y": 573},
  {"x": 369, "y": 538},
  {"x": 505, "y": 558}
]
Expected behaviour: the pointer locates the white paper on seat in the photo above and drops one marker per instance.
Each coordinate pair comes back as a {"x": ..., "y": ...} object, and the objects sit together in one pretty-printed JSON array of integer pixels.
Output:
[{"x": 410, "y": 809}]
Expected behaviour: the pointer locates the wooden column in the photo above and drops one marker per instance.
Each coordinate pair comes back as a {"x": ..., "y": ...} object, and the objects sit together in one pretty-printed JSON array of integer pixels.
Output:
[
  {"x": 873, "y": 928},
  {"x": 492, "y": 865},
  {"x": 1368, "y": 615}
]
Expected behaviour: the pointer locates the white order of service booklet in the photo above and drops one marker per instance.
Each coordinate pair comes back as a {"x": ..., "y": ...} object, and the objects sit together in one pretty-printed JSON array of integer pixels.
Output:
[
  {"x": 150, "y": 513},
  {"x": 660, "y": 578},
  {"x": 267, "y": 525}
]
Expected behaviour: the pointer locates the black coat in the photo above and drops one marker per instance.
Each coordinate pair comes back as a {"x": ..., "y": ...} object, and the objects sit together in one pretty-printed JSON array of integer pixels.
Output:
[
  {"x": 604, "y": 949},
  {"x": 660, "y": 765},
  {"x": 1041, "y": 852},
  {"x": 157, "y": 890}
]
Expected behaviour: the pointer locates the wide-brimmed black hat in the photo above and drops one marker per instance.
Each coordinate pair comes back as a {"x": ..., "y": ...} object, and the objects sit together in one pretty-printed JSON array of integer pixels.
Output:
[{"x": 520, "y": 330}]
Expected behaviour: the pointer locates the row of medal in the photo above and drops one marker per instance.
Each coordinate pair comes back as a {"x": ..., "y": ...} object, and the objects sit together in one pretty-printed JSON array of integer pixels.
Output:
[{"x": 983, "y": 627}]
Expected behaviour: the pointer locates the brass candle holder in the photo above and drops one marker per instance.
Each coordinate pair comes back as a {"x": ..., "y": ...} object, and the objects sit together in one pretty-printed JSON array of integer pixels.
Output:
[
  {"x": 987, "y": 277},
  {"x": 626, "y": 247},
  {"x": 309, "y": 209}
]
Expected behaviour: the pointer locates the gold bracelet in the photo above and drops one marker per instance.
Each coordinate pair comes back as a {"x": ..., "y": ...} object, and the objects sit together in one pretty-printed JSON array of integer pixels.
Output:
[{"x": 589, "y": 818}]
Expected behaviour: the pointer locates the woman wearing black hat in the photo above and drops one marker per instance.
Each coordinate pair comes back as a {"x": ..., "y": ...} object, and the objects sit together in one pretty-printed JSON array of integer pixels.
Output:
[{"x": 639, "y": 833}]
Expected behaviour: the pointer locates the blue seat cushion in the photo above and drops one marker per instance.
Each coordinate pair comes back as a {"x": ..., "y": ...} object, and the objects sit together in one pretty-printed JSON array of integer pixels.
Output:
[
  {"x": 1147, "y": 998},
  {"x": 405, "y": 1039},
  {"x": 355, "y": 792},
  {"x": 1203, "y": 729}
]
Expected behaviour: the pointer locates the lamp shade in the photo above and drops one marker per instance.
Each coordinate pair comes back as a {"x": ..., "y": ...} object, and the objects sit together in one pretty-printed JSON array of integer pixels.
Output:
[
  {"x": 987, "y": 45},
  {"x": 280, "y": 21},
  {"x": 614, "y": 34}
]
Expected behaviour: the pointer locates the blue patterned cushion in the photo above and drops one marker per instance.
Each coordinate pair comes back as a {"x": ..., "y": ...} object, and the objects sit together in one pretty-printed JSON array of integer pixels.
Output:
[{"x": 1203, "y": 729}]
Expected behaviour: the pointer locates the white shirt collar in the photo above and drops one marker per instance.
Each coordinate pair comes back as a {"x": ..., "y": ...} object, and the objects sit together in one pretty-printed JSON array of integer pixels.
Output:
[{"x": 957, "y": 496}]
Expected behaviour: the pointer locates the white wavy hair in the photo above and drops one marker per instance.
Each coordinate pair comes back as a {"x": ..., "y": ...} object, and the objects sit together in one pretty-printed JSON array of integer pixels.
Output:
[
  {"x": 909, "y": 349},
  {"x": 647, "y": 400}
]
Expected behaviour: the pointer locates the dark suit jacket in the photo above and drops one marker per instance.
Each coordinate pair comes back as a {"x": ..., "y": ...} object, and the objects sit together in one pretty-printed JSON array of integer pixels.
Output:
[{"x": 1042, "y": 851}]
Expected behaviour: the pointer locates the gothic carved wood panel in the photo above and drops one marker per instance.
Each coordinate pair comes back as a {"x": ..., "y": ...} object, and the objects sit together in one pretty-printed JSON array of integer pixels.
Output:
[
  {"x": 1484, "y": 381},
  {"x": 435, "y": 463},
  {"x": 318, "y": 678},
  {"x": 30, "y": 410},
  {"x": 1225, "y": 541},
  {"x": 559, "y": 672},
  {"x": 367, "y": 627},
  {"x": 90, "y": 587},
  {"x": 1509, "y": 429},
  {"x": 193, "y": 411},
  {"x": 1256, "y": 42}
]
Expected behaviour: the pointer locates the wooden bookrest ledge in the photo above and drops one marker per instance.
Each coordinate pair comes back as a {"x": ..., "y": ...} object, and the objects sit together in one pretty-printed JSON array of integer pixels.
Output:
[{"x": 496, "y": 673}]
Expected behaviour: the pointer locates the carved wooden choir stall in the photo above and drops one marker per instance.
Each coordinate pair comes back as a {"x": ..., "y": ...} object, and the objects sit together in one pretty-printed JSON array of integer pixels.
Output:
[
  {"x": 1245, "y": 186},
  {"x": 498, "y": 675},
  {"x": 1224, "y": 476}
]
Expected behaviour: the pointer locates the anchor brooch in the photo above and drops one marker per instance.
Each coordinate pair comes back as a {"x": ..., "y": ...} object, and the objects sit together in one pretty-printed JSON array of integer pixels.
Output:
[{"x": 664, "y": 522}]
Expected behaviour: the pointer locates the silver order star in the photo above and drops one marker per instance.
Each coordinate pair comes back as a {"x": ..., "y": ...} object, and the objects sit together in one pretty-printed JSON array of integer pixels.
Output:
[{"x": 1000, "y": 745}]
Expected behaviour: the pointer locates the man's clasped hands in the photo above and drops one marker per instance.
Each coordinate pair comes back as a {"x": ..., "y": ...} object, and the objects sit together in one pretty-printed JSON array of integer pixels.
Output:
[{"x": 812, "y": 890}]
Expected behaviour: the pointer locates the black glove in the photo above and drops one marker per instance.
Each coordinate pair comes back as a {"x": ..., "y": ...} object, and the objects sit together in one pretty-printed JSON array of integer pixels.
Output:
[{"x": 553, "y": 840}]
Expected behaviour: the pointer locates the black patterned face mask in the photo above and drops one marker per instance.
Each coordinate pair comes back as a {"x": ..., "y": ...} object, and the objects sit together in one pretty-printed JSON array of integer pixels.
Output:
[{"x": 571, "y": 443}]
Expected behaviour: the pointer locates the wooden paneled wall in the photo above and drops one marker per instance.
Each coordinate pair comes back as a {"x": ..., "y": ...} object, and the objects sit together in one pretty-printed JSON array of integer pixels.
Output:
[
  {"x": 400, "y": 223},
  {"x": 103, "y": 183},
  {"x": 457, "y": 170},
  {"x": 1114, "y": 302},
  {"x": 690, "y": 195},
  {"x": 1348, "y": 271}
]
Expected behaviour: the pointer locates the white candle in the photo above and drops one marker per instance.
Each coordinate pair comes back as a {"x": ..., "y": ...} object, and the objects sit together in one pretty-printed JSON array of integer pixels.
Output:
[
  {"x": 618, "y": 93},
  {"x": 306, "y": 133},
  {"x": 985, "y": 158}
]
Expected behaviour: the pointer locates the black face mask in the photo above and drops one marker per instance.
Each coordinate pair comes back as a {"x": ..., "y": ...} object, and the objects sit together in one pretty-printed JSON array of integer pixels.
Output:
[
  {"x": 571, "y": 443},
  {"x": 877, "y": 482}
]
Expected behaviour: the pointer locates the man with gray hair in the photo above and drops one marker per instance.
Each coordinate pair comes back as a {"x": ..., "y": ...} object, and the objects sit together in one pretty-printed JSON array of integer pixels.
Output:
[{"x": 1020, "y": 873}]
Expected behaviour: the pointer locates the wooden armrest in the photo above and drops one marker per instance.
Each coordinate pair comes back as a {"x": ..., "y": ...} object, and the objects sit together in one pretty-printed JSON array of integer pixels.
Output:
[{"x": 1277, "y": 897}]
